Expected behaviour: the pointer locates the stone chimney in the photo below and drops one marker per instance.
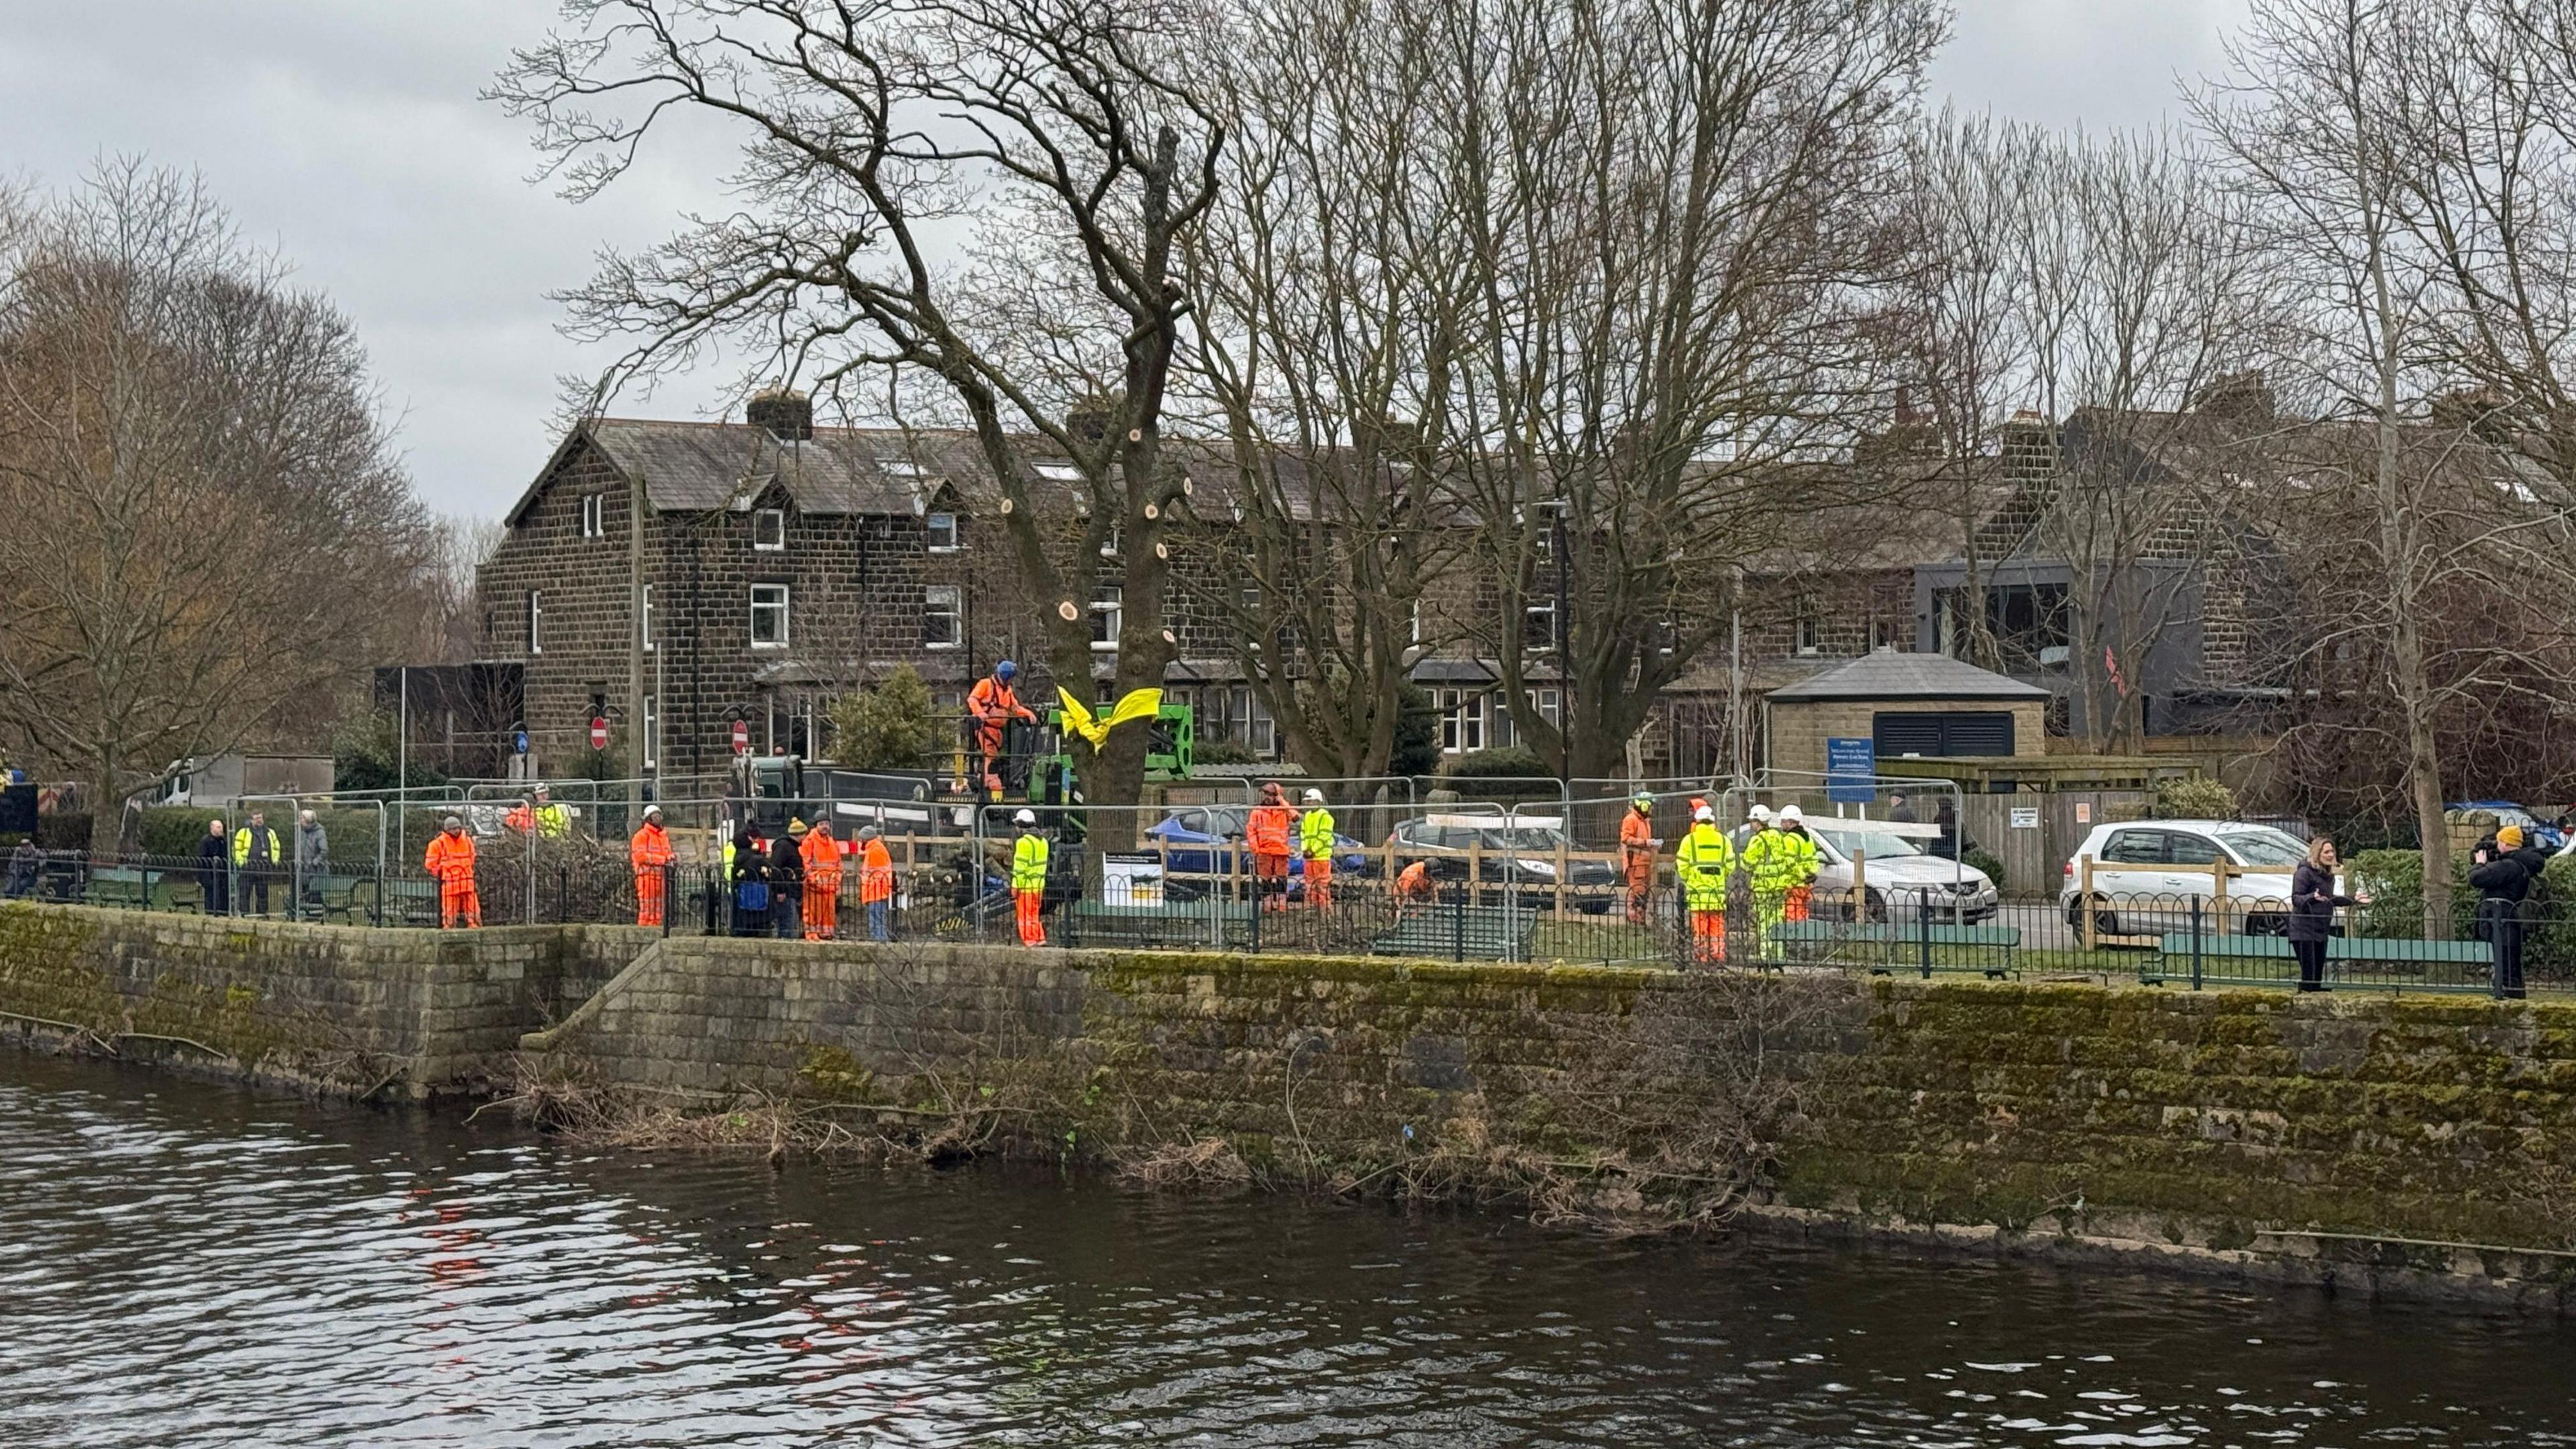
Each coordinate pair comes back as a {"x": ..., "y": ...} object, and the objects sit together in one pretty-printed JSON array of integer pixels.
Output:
[
  {"x": 788, "y": 416},
  {"x": 2239, "y": 397}
]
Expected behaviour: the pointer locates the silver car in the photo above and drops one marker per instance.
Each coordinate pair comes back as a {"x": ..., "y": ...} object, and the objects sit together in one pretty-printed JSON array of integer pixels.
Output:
[
  {"x": 2147, "y": 874},
  {"x": 1897, "y": 868}
]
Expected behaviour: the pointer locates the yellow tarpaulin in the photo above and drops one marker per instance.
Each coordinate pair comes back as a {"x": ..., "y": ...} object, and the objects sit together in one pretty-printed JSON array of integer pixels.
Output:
[{"x": 1134, "y": 705}]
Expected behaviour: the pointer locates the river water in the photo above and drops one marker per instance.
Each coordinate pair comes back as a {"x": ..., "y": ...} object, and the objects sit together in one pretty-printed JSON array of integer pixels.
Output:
[{"x": 187, "y": 1265}]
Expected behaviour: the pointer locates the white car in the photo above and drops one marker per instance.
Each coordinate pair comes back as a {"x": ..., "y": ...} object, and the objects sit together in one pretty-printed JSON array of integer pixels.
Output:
[
  {"x": 1898, "y": 869},
  {"x": 2146, "y": 874}
]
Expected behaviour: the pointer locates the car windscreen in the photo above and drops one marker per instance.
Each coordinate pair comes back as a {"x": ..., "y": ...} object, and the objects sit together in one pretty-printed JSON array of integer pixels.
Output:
[
  {"x": 1875, "y": 844},
  {"x": 1529, "y": 839},
  {"x": 2264, "y": 847}
]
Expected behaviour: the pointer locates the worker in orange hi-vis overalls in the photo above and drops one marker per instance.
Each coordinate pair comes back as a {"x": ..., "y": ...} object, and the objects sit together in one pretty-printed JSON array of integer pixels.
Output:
[
  {"x": 450, "y": 862},
  {"x": 650, "y": 851},
  {"x": 876, "y": 882},
  {"x": 1637, "y": 854},
  {"x": 1265, "y": 835},
  {"x": 822, "y": 882}
]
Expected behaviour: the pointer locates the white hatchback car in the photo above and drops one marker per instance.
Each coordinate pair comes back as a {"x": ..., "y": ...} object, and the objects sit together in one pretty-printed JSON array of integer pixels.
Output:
[
  {"x": 2147, "y": 872},
  {"x": 1902, "y": 874}
]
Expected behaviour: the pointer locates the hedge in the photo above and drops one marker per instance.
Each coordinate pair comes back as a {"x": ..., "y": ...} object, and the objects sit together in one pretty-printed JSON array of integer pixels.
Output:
[{"x": 2395, "y": 882}]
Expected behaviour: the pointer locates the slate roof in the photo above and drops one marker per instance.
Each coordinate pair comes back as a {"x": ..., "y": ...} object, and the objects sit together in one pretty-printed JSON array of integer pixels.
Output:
[{"x": 1888, "y": 674}]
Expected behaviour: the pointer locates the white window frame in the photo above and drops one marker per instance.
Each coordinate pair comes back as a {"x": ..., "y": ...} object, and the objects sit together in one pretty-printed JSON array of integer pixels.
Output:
[
  {"x": 1811, "y": 634},
  {"x": 1108, "y": 617},
  {"x": 782, "y": 604},
  {"x": 1109, "y": 545},
  {"x": 1417, "y": 623},
  {"x": 1549, "y": 701},
  {"x": 1529, "y": 613},
  {"x": 932, "y": 526},
  {"x": 933, "y": 596},
  {"x": 1462, "y": 719},
  {"x": 594, "y": 515},
  {"x": 648, "y": 618},
  {"x": 652, "y": 733},
  {"x": 769, "y": 518},
  {"x": 536, "y": 622}
]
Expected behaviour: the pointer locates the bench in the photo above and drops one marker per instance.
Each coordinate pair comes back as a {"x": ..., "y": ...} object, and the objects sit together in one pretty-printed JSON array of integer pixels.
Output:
[
  {"x": 2233, "y": 957},
  {"x": 145, "y": 888},
  {"x": 1224, "y": 924},
  {"x": 1459, "y": 932},
  {"x": 1899, "y": 946}
]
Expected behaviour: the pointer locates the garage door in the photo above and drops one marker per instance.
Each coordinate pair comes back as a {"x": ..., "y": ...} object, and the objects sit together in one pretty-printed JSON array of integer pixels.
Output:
[{"x": 1962, "y": 732}]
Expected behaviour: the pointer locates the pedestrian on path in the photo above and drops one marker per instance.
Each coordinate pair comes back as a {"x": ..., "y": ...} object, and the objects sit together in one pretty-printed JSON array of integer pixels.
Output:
[
  {"x": 2313, "y": 903},
  {"x": 787, "y": 882},
  {"x": 214, "y": 870},
  {"x": 821, "y": 875},
  {"x": 876, "y": 881},
  {"x": 312, "y": 862},
  {"x": 450, "y": 862},
  {"x": 1028, "y": 879},
  {"x": 257, "y": 853},
  {"x": 2503, "y": 877},
  {"x": 649, "y": 851},
  {"x": 747, "y": 881}
]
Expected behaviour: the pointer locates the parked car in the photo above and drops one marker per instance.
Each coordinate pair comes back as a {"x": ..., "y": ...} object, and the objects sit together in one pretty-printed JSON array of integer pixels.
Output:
[
  {"x": 1518, "y": 850},
  {"x": 2147, "y": 872},
  {"x": 1899, "y": 872},
  {"x": 1202, "y": 841},
  {"x": 2492, "y": 815}
]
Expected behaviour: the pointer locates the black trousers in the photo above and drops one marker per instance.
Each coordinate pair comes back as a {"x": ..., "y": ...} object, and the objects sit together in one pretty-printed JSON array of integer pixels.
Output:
[
  {"x": 2312, "y": 964},
  {"x": 214, "y": 885},
  {"x": 2502, "y": 923}
]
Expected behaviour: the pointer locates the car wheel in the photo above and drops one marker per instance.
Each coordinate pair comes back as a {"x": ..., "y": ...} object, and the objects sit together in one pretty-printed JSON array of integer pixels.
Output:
[
  {"x": 2268, "y": 925},
  {"x": 2105, "y": 922}
]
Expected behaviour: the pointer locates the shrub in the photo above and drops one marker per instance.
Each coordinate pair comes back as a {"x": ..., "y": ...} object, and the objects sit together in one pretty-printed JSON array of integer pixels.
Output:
[
  {"x": 175, "y": 830},
  {"x": 1417, "y": 735},
  {"x": 1980, "y": 859},
  {"x": 891, "y": 726},
  {"x": 2195, "y": 798},
  {"x": 1222, "y": 752},
  {"x": 1497, "y": 775}
]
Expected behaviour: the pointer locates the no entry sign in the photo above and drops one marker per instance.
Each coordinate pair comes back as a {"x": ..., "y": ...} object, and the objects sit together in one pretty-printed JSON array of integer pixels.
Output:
[
  {"x": 599, "y": 732},
  {"x": 742, "y": 737}
]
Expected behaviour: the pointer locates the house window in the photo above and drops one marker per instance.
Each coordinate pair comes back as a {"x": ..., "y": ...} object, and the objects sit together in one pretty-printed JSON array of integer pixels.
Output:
[
  {"x": 1059, "y": 472},
  {"x": 769, "y": 530},
  {"x": 1462, "y": 719},
  {"x": 1538, "y": 627},
  {"x": 594, "y": 515},
  {"x": 768, "y": 616},
  {"x": 942, "y": 528},
  {"x": 1549, "y": 702},
  {"x": 652, "y": 733},
  {"x": 1109, "y": 545},
  {"x": 648, "y": 616},
  {"x": 1415, "y": 623},
  {"x": 943, "y": 616},
  {"x": 1810, "y": 631},
  {"x": 536, "y": 621},
  {"x": 1106, "y": 609}
]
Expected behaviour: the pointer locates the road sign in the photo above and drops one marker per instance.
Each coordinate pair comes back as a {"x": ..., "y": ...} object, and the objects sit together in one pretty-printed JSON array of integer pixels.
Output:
[
  {"x": 519, "y": 744},
  {"x": 599, "y": 732},
  {"x": 742, "y": 737},
  {"x": 1849, "y": 764}
]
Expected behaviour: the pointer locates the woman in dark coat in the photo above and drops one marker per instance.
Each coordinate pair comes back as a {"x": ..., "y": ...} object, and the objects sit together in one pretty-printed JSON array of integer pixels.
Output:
[
  {"x": 750, "y": 870},
  {"x": 2313, "y": 903}
]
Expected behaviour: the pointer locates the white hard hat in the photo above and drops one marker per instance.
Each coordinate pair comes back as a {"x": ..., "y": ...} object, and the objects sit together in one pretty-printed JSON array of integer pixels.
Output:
[
  {"x": 1759, "y": 811},
  {"x": 651, "y": 811},
  {"x": 1025, "y": 817},
  {"x": 1705, "y": 815},
  {"x": 1789, "y": 815},
  {"x": 1315, "y": 795}
]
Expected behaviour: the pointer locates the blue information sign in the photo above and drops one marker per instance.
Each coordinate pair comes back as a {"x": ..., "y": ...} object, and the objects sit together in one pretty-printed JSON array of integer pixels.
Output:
[
  {"x": 520, "y": 743},
  {"x": 1850, "y": 765}
]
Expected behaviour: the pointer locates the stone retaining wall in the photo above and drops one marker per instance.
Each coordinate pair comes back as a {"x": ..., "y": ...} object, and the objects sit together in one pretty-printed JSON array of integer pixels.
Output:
[{"x": 411, "y": 1013}]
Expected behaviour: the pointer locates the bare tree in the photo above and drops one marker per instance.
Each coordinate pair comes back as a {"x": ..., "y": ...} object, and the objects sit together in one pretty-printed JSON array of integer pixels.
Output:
[
  {"x": 206, "y": 521},
  {"x": 1668, "y": 218},
  {"x": 1313, "y": 341},
  {"x": 981, "y": 200},
  {"x": 2313, "y": 124}
]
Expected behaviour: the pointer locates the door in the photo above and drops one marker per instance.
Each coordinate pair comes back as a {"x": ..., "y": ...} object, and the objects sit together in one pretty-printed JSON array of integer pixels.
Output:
[
  {"x": 2130, "y": 877},
  {"x": 2190, "y": 857}
]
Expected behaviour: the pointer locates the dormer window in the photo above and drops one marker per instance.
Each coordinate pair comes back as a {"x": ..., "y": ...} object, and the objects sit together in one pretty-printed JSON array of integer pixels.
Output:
[
  {"x": 942, "y": 531},
  {"x": 769, "y": 530}
]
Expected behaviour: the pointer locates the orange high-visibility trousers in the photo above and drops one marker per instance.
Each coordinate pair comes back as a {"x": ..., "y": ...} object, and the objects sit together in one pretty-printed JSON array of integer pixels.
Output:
[
  {"x": 1270, "y": 881},
  {"x": 1319, "y": 880},
  {"x": 459, "y": 905},
  {"x": 822, "y": 910},
  {"x": 1641, "y": 880},
  {"x": 648, "y": 898},
  {"x": 1800, "y": 898},
  {"x": 1025, "y": 907},
  {"x": 1708, "y": 937}
]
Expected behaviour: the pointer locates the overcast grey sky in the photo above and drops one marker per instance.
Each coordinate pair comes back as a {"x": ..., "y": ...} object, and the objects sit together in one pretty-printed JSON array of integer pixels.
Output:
[{"x": 346, "y": 135}]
